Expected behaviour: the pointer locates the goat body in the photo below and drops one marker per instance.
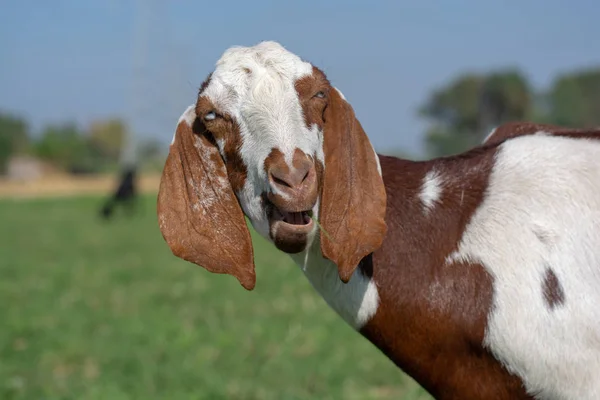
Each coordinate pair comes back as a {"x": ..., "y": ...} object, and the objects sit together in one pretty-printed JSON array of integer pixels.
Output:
[{"x": 486, "y": 283}]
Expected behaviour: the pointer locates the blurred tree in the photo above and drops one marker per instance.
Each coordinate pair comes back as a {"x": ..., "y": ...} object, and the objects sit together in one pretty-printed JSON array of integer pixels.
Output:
[
  {"x": 151, "y": 154},
  {"x": 14, "y": 138},
  {"x": 574, "y": 99},
  {"x": 107, "y": 139},
  {"x": 442, "y": 142},
  {"x": 151, "y": 148},
  {"x": 65, "y": 146},
  {"x": 505, "y": 96},
  {"x": 456, "y": 106},
  {"x": 463, "y": 112}
]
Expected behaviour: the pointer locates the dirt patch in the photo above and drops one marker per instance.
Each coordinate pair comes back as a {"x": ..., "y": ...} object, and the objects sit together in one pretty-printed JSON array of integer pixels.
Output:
[{"x": 60, "y": 186}]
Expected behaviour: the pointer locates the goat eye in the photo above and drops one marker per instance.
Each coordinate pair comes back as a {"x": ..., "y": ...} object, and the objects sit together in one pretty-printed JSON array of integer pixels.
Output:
[
  {"x": 210, "y": 116},
  {"x": 320, "y": 95}
]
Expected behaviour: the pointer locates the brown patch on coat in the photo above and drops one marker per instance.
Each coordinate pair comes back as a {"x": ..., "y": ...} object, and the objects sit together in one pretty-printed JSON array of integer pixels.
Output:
[
  {"x": 236, "y": 168},
  {"x": 198, "y": 213},
  {"x": 313, "y": 107},
  {"x": 433, "y": 314},
  {"x": 552, "y": 290},
  {"x": 275, "y": 157},
  {"x": 226, "y": 129}
]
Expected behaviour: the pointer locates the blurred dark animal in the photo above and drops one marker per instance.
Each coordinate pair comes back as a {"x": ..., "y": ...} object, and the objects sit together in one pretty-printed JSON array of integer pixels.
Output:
[{"x": 126, "y": 194}]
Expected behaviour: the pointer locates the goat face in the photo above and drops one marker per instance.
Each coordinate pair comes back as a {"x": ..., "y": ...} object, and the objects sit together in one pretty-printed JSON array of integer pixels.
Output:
[
  {"x": 270, "y": 138},
  {"x": 273, "y": 158}
]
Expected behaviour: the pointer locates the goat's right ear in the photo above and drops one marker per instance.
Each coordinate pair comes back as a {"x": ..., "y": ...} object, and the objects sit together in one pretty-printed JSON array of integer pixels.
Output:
[{"x": 198, "y": 214}]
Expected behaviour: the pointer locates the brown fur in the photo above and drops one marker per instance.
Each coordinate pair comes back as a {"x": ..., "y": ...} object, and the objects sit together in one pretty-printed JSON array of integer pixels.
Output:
[
  {"x": 313, "y": 108},
  {"x": 225, "y": 128},
  {"x": 212, "y": 234},
  {"x": 433, "y": 315}
]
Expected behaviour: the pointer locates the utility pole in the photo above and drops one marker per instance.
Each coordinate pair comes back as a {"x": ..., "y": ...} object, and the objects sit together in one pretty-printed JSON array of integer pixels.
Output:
[{"x": 148, "y": 42}]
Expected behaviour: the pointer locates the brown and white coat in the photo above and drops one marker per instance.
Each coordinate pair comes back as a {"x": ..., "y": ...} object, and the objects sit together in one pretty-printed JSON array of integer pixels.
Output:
[{"x": 477, "y": 274}]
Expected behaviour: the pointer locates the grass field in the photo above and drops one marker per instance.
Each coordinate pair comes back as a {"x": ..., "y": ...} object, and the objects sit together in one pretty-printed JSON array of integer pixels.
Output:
[{"x": 96, "y": 310}]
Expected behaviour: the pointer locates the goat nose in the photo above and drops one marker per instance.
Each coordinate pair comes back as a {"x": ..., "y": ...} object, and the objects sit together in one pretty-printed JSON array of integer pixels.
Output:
[{"x": 290, "y": 179}]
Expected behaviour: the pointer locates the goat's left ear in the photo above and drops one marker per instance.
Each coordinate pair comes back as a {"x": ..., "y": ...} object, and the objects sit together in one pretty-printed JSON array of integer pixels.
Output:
[{"x": 353, "y": 201}]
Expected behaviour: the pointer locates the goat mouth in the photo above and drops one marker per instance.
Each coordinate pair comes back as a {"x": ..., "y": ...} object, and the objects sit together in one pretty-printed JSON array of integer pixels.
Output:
[
  {"x": 295, "y": 218},
  {"x": 290, "y": 230},
  {"x": 298, "y": 221}
]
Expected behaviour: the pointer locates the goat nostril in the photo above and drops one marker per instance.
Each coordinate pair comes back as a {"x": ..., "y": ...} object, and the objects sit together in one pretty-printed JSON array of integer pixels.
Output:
[
  {"x": 294, "y": 179},
  {"x": 279, "y": 181},
  {"x": 305, "y": 176}
]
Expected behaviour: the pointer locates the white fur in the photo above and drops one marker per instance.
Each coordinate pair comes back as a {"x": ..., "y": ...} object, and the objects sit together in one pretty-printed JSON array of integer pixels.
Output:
[
  {"x": 431, "y": 190},
  {"x": 542, "y": 210},
  {"x": 356, "y": 301}
]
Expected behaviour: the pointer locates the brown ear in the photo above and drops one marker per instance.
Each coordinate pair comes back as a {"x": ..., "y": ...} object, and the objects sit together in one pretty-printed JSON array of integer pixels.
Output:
[
  {"x": 198, "y": 213},
  {"x": 353, "y": 202}
]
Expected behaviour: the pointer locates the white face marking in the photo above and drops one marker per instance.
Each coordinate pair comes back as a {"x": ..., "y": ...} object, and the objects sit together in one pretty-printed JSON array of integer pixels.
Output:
[
  {"x": 542, "y": 210},
  {"x": 431, "y": 190},
  {"x": 255, "y": 86},
  {"x": 356, "y": 301},
  {"x": 189, "y": 115}
]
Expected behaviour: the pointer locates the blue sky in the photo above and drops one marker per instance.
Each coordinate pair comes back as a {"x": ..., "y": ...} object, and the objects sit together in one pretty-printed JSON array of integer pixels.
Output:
[{"x": 81, "y": 60}]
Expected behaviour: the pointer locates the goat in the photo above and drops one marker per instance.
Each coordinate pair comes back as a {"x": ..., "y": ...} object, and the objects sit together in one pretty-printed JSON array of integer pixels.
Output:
[{"x": 476, "y": 274}]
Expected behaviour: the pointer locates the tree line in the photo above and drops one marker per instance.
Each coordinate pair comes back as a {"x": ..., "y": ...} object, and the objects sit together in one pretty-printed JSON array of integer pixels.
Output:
[
  {"x": 70, "y": 148},
  {"x": 465, "y": 110},
  {"x": 460, "y": 115}
]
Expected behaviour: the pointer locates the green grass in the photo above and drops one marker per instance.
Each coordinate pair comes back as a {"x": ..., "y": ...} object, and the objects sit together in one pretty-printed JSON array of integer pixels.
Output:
[{"x": 95, "y": 310}]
